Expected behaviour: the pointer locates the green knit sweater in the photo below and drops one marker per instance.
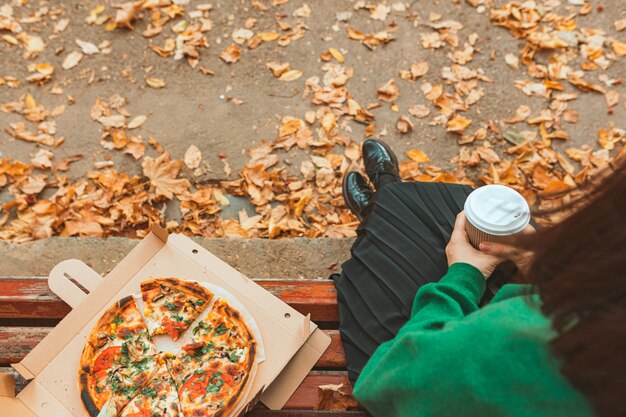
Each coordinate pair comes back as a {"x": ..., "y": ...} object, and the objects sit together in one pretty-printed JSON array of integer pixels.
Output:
[{"x": 454, "y": 359}]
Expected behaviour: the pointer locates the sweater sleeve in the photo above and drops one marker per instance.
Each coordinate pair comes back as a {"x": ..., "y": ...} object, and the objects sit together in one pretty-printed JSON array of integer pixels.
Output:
[{"x": 455, "y": 296}]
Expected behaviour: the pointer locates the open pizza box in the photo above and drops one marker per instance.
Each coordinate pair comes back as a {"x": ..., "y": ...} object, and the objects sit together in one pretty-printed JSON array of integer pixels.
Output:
[{"x": 292, "y": 343}]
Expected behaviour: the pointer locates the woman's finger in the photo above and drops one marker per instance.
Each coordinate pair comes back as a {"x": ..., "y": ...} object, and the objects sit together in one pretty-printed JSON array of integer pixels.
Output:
[
  {"x": 458, "y": 233},
  {"x": 498, "y": 249}
]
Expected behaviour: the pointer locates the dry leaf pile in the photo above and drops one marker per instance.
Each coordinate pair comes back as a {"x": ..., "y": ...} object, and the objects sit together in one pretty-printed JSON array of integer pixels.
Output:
[{"x": 559, "y": 61}]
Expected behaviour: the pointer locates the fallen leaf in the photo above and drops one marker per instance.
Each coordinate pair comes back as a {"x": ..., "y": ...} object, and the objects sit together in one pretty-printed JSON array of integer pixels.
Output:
[
  {"x": 72, "y": 60},
  {"x": 353, "y": 152},
  {"x": 135, "y": 147},
  {"x": 277, "y": 68},
  {"x": 337, "y": 55},
  {"x": 116, "y": 121},
  {"x": 458, "y": 124},
  {"x": 417, "y": 156},
  {"x": 137, "y": 121},
  {"x": 43, "y": 159},
  {"x": 512, "y": 61},
  {"x": 193, "y": 157},
  {"x": 304, "y": 11},
  {"x": 269, "y": 36},
  {"x": 416, "y": 71},
  {"x": 419, "y": 111},
  {"x": 521, "y": 114},
  {"x": 103, "y": 164},
  {"x": 241, "y": 35},
  {"x": 333, "y": 397},
  {"x": 388, "y": 92},
  {"x": 127, "y": 14},
  {"x": 291, "y": 75},
  {"x": 231, "y": 54},
  {"x": 88, "y": 48},
  {"x": 33, "y": 184},
  {"x": 404, "y": 125},
  {"x": 570, "y": 116},
  {"x": 155, "y": 82},
  {"x": 619, "y": 48},
  {"x": 163, "y": 174},
  {"x": 380, "y": 12},
  {"x": 612, "y": 98}
]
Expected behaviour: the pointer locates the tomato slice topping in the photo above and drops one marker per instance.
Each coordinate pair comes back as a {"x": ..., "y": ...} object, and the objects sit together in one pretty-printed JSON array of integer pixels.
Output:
[
  {"x": 193, "y": 346},
  {"x": 228, "y": 380},
  {"x": 107, "y": 358},
  {"x": 196, "y": 385},
  {"x": 173, "y": 328}
]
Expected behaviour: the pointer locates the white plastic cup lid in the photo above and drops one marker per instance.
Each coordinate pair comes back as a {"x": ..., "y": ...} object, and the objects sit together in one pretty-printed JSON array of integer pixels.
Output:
[{"x": 497, "y": 210}]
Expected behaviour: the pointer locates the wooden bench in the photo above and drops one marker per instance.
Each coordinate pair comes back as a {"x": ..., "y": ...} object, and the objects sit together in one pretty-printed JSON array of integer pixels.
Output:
[{"x": 29, "y": 310}]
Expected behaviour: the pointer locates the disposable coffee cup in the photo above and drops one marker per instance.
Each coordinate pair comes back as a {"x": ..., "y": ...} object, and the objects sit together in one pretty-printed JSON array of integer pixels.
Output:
[{"x": 495, "y": 213}]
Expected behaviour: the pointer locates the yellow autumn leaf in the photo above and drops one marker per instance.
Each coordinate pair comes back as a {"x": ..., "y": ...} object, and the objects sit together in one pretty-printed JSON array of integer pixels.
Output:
[
  {"x": 337, "y": 55},
  {"x": 290, "y": 75},
  {"x": 268, "y": 36},
  {"x": 619, "y": 48},
  {"x": 155, "y": 82}
]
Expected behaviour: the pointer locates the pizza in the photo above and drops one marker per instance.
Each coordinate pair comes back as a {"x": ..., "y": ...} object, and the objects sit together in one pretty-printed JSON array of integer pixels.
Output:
[
  {"x": 158, "y": 398},
  {"x": 121, "y": 374},
  {"x": 172, "y": 304},
  {"x": 116, "y": 357},
  {"x": 212, "y": 371}
]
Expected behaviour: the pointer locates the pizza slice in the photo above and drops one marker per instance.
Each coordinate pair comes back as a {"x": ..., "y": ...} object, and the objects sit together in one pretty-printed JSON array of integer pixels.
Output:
[
  {"x": 223, "y": 326},
  {"x": 214, "y": 389},
  {"x": 126, "y": 383},
  {"x": 212, "y": 371},
  {"x": 118, "y": 339},
  {"x": 158, "y": 398},
  {"x": 171, "y": 304}
]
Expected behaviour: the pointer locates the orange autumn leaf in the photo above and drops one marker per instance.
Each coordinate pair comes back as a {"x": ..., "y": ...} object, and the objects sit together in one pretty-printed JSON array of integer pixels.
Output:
[
  {"x": 417, "y": 156},
  {"x": 119, "y": 138},
  {"x": 389, "y": 92},
  {"x": 230, "y": 55},
  {"x": 335, "y": 397},
  {"x": 163, "y": 174},
  {"x": 555, "y": 187},
  {"x": 458, "y": 124}
]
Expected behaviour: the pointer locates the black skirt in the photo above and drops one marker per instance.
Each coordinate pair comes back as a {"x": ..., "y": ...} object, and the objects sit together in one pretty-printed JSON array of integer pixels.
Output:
[{"x": 400, "y": 246}]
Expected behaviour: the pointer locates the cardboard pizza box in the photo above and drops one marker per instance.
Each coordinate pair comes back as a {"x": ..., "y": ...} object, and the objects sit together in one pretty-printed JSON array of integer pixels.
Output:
[{"x": 292, "y": 343}]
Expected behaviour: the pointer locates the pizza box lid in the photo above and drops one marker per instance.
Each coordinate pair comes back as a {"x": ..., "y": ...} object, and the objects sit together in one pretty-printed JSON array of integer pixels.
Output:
[{"x": 292, "y": 343}]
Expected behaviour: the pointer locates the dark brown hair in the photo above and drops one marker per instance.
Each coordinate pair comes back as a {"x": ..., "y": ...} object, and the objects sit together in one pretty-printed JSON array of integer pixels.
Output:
[{"x": 579, "y": 269}]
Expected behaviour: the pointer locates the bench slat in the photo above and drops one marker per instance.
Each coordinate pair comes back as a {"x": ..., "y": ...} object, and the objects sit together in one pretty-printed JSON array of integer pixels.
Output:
[
  {"x": 306, "y": 396},
  {"x": 260, "y": 412},
  {"x": 17, "y": 342},
  {"x": 30, "y": 298}
]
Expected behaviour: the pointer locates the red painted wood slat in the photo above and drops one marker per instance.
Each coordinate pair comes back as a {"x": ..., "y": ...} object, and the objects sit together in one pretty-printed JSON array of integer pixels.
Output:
[{"x": 30, "y": 298}]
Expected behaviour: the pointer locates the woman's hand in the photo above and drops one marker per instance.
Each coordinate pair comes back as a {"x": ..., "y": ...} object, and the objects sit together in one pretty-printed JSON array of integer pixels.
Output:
[
  {"x": 460, "y": 250},
  {"x": 522, "y": 258}
]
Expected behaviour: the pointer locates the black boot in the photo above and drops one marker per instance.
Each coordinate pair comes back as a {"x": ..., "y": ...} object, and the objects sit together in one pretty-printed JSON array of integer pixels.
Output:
[
  {"x": 381, "y": 164},
  {"x": 357, "y": 193}
]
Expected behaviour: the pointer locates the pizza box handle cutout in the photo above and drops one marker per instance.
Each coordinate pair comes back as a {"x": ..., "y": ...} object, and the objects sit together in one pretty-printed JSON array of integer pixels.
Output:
[{"x": 72, "y": 280}]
